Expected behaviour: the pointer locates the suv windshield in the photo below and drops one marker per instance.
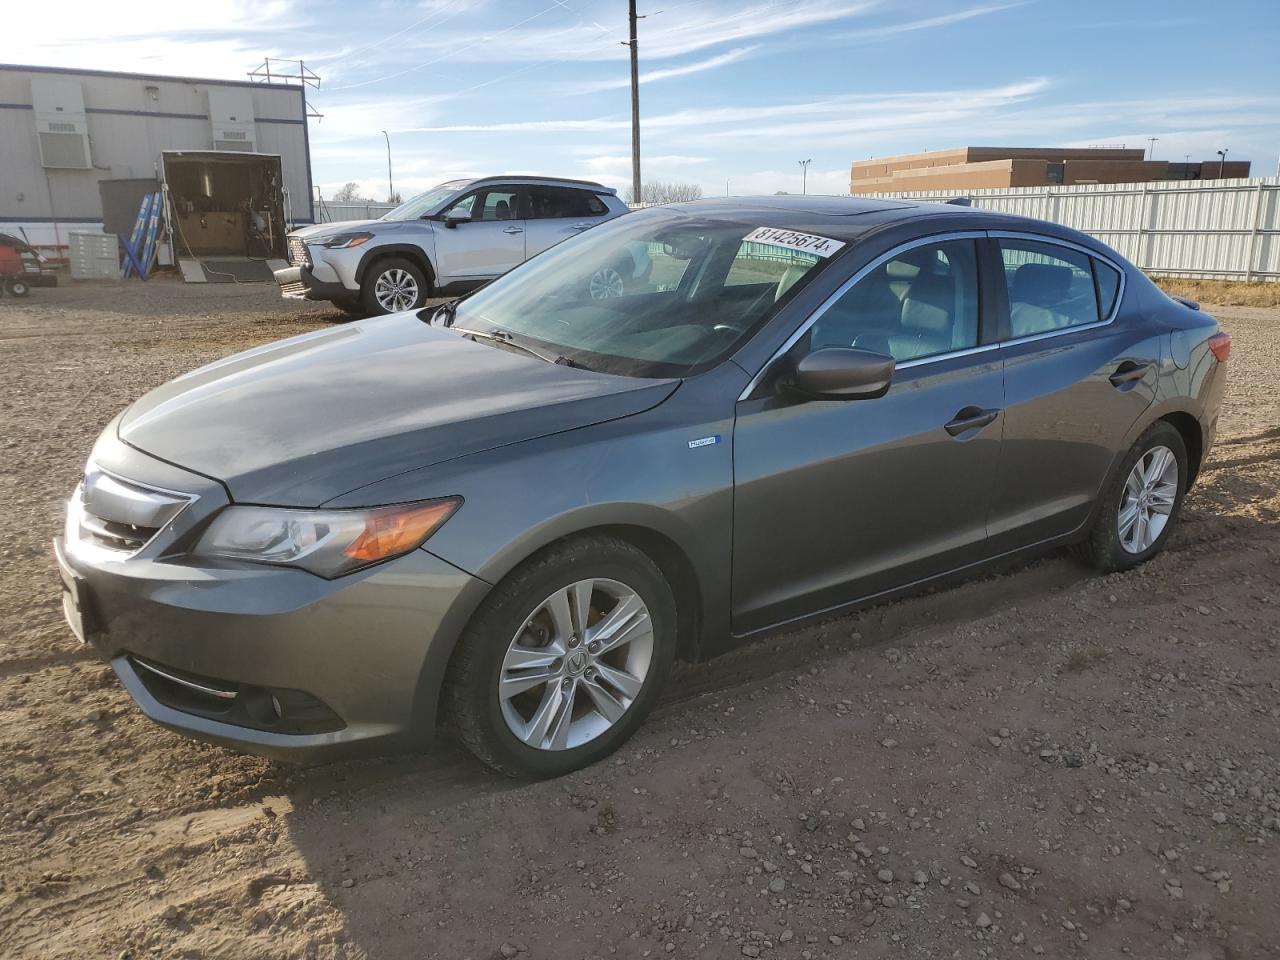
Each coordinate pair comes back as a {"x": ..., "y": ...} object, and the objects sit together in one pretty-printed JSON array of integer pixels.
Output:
[
  {"x": 424, "y": 203},
  {"x": 653, "y": 294}
]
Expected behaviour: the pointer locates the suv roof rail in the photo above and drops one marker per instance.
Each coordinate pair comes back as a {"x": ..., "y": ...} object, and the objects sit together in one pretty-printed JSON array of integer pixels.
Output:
[
  {"x": 526, "y": 177},
  {"x": 960, "y": 201}
]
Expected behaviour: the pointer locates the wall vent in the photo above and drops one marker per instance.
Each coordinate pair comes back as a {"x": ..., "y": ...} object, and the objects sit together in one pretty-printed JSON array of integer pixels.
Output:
[
  {"x": 61, "y": 123},
  {"x": 231, "y": 118}
]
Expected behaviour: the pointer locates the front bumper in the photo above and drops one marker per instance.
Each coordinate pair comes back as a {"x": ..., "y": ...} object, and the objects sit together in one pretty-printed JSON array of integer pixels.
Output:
[
  {"x": 301, "y": 283},
  {"x": 270, "y": 660}
]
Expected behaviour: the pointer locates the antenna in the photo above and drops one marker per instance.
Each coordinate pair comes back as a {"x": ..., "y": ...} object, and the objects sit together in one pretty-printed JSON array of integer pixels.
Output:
[{"x": 275, "y": 70}]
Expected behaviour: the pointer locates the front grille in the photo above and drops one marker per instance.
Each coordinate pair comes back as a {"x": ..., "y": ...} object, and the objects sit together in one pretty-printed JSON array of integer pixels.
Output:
[
  {"x": 298, "y": 254},
  {"x": 120, "y": 515}
]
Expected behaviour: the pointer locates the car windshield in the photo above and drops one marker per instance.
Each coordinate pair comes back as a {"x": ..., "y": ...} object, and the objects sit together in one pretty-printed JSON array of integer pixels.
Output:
[
  {"x": 657, "y": 293},
  {"x": 424, "y": 203}
]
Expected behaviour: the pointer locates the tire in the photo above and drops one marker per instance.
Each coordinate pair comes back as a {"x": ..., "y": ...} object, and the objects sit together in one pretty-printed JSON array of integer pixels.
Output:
[
  {"x": 607, "y": 283},
  {"x": 382, "y": 280},
  {"x": 1108, "y": 547},
  {"x": 514, "y": 623},
  {"x": 18, "y": 288}
]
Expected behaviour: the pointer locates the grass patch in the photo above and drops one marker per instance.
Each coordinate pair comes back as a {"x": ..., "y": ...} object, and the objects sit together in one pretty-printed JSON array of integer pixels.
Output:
[{"x": 1227, "y": 293}]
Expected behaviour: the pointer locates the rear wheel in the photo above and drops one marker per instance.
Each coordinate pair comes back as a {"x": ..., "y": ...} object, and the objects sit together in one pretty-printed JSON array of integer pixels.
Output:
[
  {"x": 1141, "y": 505},
  {"x": 393, "y": 285},
  {"x": 565, "y": 658}
]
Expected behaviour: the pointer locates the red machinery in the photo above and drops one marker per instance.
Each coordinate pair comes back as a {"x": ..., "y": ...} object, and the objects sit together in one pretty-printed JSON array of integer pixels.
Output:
[{"x": 21, "y": 268}]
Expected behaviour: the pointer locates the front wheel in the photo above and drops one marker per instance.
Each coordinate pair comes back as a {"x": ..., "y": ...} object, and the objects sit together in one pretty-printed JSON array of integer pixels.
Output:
[
  {"x": 393, "y": 285},
  {"x": 564, "y": 659},
  {"x": 19, "y": 288},
  {"x": 1141, "y": 505}
]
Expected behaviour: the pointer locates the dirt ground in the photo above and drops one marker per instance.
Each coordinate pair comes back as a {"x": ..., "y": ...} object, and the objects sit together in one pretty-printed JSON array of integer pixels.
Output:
[{"x": 1041, "y": 763}]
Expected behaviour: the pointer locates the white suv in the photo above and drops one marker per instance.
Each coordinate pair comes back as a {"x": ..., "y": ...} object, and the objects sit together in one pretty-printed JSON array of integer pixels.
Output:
[{"x": 447, "y": 241}]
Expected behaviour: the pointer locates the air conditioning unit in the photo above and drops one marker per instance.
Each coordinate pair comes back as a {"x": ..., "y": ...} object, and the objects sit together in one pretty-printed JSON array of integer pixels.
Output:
[
  {"x": 61, "y": 125},
  {"x": 231, "y": 119}
]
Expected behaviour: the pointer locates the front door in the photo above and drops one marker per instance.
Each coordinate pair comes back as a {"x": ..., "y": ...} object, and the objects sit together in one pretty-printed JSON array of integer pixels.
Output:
[
  {"x": 837, "y": 501},
  {"x": 490, "y": 243},
  {"x": 1075, "y": 384}
]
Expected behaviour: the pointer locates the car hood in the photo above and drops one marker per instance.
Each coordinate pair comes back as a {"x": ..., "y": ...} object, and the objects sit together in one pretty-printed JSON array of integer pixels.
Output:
[
  {"x": 304, "y": 420},
  {"x": 341, "y": 226}
]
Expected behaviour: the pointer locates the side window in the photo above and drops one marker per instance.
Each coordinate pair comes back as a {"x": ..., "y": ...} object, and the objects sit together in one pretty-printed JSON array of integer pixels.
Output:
[
  {"x": 921, "y": 302},
  {"x": 1050, "y": 287},
  {"x": 499, "y": 203},
  {"x": 1108, "y": 286},
  {"x": 549, "y": 203}
]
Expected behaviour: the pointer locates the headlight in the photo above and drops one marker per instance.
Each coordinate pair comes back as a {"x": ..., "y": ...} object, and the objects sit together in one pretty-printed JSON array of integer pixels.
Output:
[
  {"x": 328, "y": 543},
  {"x": 343, "y": 240}
]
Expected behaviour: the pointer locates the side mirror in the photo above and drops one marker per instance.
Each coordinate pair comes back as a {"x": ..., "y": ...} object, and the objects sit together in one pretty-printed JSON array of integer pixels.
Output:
[
  {"x": 841, "y": 373},
  {"x": 456, "y": 216}
]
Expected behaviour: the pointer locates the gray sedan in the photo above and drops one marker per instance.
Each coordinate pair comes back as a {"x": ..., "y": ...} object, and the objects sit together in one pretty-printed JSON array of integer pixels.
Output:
[{"x": 508, "y": 516}]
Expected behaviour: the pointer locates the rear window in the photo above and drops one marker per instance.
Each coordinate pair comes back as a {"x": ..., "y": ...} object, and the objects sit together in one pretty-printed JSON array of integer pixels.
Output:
[
  {"x": 1050, "y": 287},
  {"x": 549, "y": 203},
  {"x": 1108, "y": 280}
]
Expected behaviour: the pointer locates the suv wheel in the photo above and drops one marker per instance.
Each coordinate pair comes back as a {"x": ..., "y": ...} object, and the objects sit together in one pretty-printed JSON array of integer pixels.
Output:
[
  {"x": 393, "y": 285},
  {"x": 564, "y": 659},
  {"x": 1140, "y": 506}
]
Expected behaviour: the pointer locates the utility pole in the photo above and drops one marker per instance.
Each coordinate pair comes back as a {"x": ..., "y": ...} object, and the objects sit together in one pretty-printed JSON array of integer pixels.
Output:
[
  {"x": 804, "y": 175},
  {"x": 1151, "y": 150},
  {"x": 634, "y": 44},
  {"x": 391, "y": 187}
]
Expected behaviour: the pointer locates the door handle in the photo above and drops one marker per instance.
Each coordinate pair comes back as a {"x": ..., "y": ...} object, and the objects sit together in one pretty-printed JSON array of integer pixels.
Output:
[
  {"x": 513, "y": 229},
  {"x": 970, "y": 418},
  {"x": 1130, "y": 372},
  {"x": 581, "y": 226}
]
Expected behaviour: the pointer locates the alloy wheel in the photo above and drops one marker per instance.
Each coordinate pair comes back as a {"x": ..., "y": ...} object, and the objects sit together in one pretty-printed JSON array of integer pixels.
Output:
[
  {"x": 1147, "y": 503},
  {"x": 606, "y": 284},
  {"x": 576, "y": 664},
  {"x": 396, "y": 290}
]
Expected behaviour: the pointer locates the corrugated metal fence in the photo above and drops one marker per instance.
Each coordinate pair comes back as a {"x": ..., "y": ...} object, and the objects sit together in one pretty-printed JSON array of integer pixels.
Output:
[
  {"x": 331, "y": 211},
  {"x": 1223, "y": 229}
]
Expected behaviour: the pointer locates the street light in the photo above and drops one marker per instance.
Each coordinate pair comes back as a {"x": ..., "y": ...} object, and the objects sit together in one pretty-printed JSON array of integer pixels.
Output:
[
  {"x": 1222, "y": 161},
  {"x": 391, "y": 188},
  {"x": 804, "y": 175},
  {"x": 726, "y": 185}
]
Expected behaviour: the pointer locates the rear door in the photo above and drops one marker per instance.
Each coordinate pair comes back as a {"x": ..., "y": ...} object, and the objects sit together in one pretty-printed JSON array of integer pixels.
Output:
[
  {"x": 1078, "y": 373},
  {"x": 839, "y": 500},
  {"x": 488, "y": 245},
  {"x": 557, "y": 213}
]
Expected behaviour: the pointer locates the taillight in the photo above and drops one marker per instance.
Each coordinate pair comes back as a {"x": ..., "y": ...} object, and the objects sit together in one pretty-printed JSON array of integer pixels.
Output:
[{"x": 1220, "y": 344}]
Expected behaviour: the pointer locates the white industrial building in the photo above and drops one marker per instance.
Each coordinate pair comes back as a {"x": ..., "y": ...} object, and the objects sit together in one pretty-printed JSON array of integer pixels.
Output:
[{"x": 79, "y": 149}]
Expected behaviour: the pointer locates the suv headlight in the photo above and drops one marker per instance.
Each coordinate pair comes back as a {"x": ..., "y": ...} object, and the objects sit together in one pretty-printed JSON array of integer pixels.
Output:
[
  {"x": 328, "y": 543},
  {"x": 341, "y": 241}
]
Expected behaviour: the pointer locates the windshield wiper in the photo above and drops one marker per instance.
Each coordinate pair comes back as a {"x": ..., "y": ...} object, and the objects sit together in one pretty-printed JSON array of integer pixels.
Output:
[
  {"x": 502, "y": 338},
  {"x": 448, "y": 310}
]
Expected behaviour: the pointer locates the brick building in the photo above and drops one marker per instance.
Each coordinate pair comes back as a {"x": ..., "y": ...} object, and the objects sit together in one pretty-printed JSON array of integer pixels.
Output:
[{"x": 974, "y": 168}]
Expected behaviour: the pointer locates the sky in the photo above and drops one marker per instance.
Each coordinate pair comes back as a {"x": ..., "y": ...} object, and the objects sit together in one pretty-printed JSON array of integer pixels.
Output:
[{"x": 733, "y": 93}]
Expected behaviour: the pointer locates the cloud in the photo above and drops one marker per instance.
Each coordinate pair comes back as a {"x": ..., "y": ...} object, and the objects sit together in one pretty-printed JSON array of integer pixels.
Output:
[
  {"x": 711, "y": 63},
  {"x": 216, "y": 38},
  {"x": 826, "y": 115},
  {"x": 926, "y": 23}
]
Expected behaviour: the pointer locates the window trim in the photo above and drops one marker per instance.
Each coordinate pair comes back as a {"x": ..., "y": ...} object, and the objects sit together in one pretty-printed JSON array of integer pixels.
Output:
[
  {"x": 1079, "y": 248},
  {"x": 863, "y": 271}
]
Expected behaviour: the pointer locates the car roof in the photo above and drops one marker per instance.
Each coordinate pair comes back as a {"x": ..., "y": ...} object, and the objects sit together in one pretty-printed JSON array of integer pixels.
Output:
[
  {"x": 850, "y": 218},
  {"x": 549, "y": 181}
]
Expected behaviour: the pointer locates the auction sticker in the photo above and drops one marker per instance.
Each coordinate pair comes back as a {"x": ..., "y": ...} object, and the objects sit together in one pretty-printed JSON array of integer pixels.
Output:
[{"x": 806, "y": 242}]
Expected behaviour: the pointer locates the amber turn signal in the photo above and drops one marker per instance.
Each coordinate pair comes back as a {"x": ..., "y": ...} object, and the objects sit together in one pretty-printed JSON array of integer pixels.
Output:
[
  {"x": 392, "y": 531},
  {"x": 1220, "y": 344}
]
